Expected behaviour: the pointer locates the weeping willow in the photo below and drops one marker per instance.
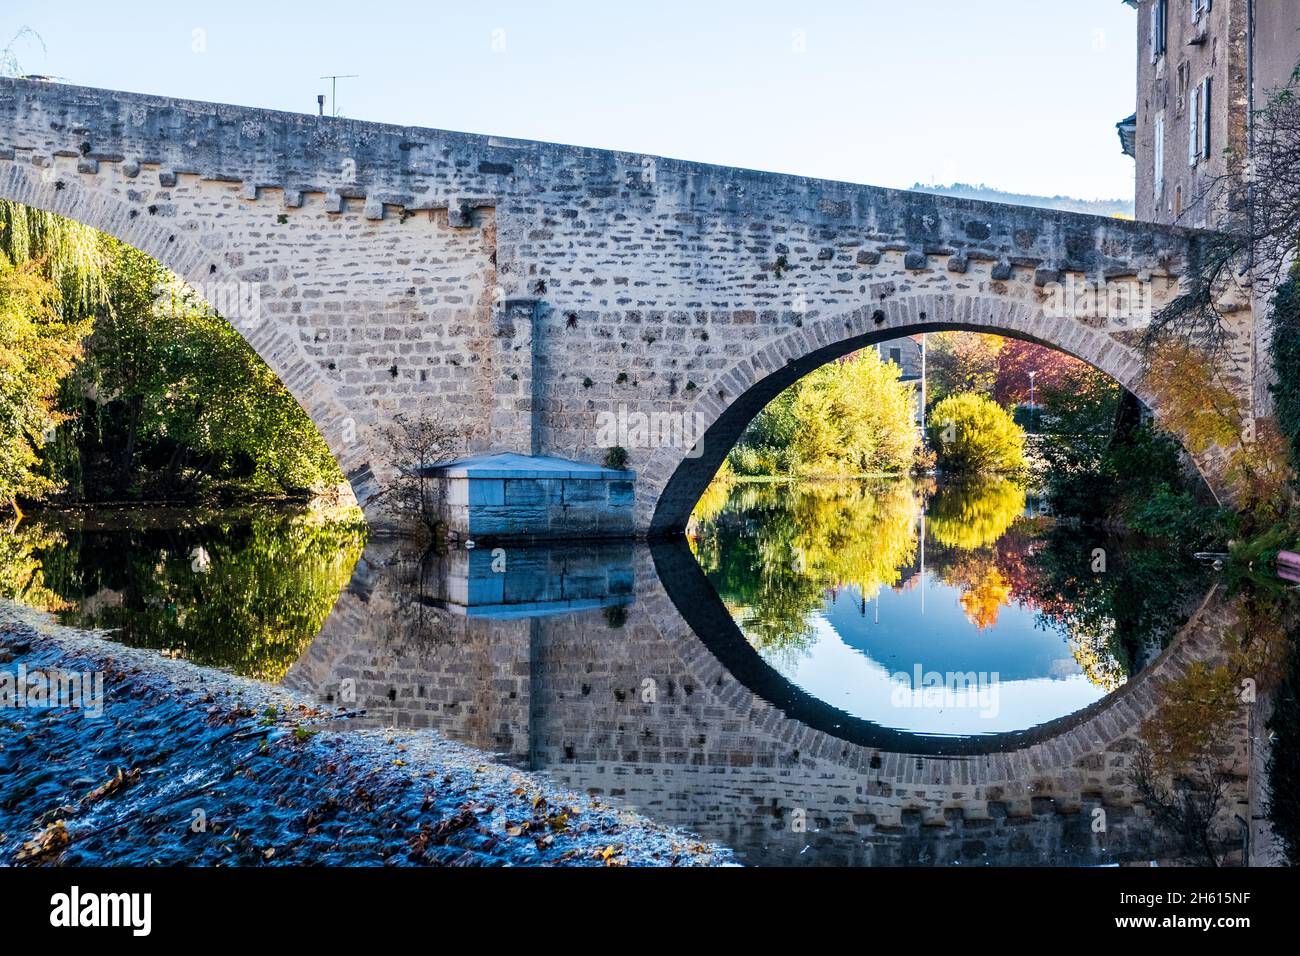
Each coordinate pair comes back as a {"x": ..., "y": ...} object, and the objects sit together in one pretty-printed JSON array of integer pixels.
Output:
[{"x": 76, "y": 257}]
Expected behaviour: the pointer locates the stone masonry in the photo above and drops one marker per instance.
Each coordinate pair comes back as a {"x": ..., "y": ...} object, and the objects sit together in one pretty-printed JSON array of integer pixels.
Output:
[{"x": 525, "y": 290}]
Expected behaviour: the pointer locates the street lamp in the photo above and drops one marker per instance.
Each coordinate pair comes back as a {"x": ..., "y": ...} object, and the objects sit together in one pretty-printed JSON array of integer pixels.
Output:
[{"x": 1033, "y": 403}]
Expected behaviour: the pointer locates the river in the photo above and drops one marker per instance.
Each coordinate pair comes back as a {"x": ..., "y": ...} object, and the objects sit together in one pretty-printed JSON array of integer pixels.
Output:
[{"x": 865, "y": 672}]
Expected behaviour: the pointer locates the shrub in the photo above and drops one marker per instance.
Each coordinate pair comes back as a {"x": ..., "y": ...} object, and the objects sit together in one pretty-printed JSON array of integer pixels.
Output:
[
  {"x": 973, "y": 435},
  {"x": 1286, "y": 363}
]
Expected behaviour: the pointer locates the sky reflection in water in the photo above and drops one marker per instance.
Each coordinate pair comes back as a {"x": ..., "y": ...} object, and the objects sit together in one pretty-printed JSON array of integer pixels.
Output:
[{"x": 834, "y": 586}]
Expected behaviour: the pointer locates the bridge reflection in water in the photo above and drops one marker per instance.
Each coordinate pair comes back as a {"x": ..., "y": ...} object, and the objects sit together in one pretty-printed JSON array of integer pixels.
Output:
[{"x": 616, "y": 669}]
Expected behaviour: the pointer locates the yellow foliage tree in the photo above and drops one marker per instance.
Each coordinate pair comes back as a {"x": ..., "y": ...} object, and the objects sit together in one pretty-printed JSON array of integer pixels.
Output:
[
  {"x": 1205, "y": 412},
  {"x": 38, "y": 349}
]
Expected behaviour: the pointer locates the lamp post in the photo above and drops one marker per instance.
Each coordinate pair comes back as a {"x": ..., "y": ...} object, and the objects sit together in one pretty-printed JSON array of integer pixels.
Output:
[
  {"x": 923, "y": 395},
  {"x": 1033, "y": 403}
]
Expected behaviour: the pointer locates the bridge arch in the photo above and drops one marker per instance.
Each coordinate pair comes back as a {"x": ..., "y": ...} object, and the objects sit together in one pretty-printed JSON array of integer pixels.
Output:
[
  {"x": 200, "y": 264},
  {"x": 675, "y": 480}
]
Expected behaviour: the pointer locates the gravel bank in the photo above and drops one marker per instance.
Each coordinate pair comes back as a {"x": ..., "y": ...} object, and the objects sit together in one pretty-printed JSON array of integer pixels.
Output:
[{"x": 192, "y": 766}]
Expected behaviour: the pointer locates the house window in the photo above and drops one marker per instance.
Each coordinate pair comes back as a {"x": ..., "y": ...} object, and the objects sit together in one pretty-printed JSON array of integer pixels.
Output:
[
  {"x": 1205, "y": 118},
  {"x": 896, "y": 356},
  {"x": 1159, "y": 28},
  {"x": 1199, "y": 9},
  {"x": 1178, "y": 201},
  {"x": 1193, "y": 125},
  {"x": 1158, "y": 157},
  {"x": 1184, "y": 79}
]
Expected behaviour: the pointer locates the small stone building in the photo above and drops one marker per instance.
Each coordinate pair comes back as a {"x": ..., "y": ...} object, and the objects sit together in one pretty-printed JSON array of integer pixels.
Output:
[{"x": 512, "y": 497}]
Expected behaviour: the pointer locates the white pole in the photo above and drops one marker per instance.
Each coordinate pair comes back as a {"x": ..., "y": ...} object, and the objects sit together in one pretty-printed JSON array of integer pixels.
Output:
[{"x": 923, "y": 384}]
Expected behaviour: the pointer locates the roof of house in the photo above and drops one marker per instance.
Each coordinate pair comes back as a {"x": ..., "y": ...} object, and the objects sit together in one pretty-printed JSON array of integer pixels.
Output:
[{"x": 513, "y": 465}]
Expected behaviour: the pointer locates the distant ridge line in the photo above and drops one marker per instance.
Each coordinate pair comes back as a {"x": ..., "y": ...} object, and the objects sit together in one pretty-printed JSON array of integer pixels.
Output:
[{"x": 1095, "y": 207}]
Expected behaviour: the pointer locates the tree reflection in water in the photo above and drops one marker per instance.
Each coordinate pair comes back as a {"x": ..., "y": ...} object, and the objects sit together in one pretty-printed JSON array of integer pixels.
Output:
[
  {"x": 243, "y": 590},
  {"x": 779, "y": 553}
]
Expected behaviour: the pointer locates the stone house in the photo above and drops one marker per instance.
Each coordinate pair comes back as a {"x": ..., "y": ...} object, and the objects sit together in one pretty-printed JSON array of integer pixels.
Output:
[{"x": 1204, "y": 66}]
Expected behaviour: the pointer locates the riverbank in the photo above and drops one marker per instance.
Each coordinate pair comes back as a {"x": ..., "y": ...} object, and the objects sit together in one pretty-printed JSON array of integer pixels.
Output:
[
  {"x": 141, "y": 515},
  {"x": 192, "y": 766}
]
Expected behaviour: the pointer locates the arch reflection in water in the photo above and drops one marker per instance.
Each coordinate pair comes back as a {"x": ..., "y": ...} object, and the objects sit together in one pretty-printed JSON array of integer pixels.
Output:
[
  {"x": 648, "y": 698},
  {"x": 617, "y": 670},
  {"x": 948, "y": 611}
]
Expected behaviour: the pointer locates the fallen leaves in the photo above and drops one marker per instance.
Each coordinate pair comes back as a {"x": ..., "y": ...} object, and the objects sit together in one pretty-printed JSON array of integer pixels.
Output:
[
  {"x": 119, "y": 781},
  {"x": 45, "y": 844},
  {"x": 611, "y": 855}
]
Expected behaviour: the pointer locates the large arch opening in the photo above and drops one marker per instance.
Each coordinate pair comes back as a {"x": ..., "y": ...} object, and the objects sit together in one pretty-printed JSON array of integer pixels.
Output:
[
  {"x": 687, "y": 477},
  {"x": 199, "y": 262},
  {"x": 813, "y": 588}
]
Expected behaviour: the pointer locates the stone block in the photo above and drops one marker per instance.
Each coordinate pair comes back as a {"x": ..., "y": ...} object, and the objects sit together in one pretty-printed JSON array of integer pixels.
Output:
[
  {"x": 583, "y": 491},
  {"x": 486, "y": 492},
  {"x": 622, "y": 494}
]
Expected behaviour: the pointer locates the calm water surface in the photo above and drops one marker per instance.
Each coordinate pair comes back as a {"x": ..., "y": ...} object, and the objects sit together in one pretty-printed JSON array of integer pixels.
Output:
[
  {"x": 885, "y": 599},
  {"x": 689, "y": 680}
]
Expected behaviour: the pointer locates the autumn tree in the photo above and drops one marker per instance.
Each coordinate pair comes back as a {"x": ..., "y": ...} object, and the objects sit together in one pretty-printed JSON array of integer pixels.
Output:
[
  {"x": 973, "y": 435},
  {"x": 1207, "y": 412},
  {"x": 37, "y": 350},
  {"x": 1017, "y": 359}
]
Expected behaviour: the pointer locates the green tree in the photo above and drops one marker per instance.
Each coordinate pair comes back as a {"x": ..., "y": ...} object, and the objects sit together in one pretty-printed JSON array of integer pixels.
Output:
[
  {"x": 961, "y": 362},
  {"x": 974, "y": 435},
  {"x": 1285, "y": 353},
  {"x": 773, "y": 550},
  {"x": 169, "y": 401},
  {"x": 245, "y": 590},
  {"x": 186, "y": 406},
  {"x": 76, "y": 258}
]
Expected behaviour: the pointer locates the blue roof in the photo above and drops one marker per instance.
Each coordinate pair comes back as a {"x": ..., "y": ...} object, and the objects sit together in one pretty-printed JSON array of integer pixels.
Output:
[{"x": 508, "y": 464}]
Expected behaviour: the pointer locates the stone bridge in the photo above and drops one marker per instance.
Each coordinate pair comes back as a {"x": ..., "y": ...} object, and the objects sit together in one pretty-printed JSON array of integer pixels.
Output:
[
  {"x": 566, "y": 693},
  {"x": 521, "y": 289}
]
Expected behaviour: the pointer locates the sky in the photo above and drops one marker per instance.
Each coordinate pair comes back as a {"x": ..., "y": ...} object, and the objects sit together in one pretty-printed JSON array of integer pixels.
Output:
[{"x": 1020, "y": 95}]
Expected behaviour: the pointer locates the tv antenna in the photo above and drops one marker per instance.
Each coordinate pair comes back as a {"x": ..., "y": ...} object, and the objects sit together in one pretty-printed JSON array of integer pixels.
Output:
[{"x": 334, "y": 88}]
